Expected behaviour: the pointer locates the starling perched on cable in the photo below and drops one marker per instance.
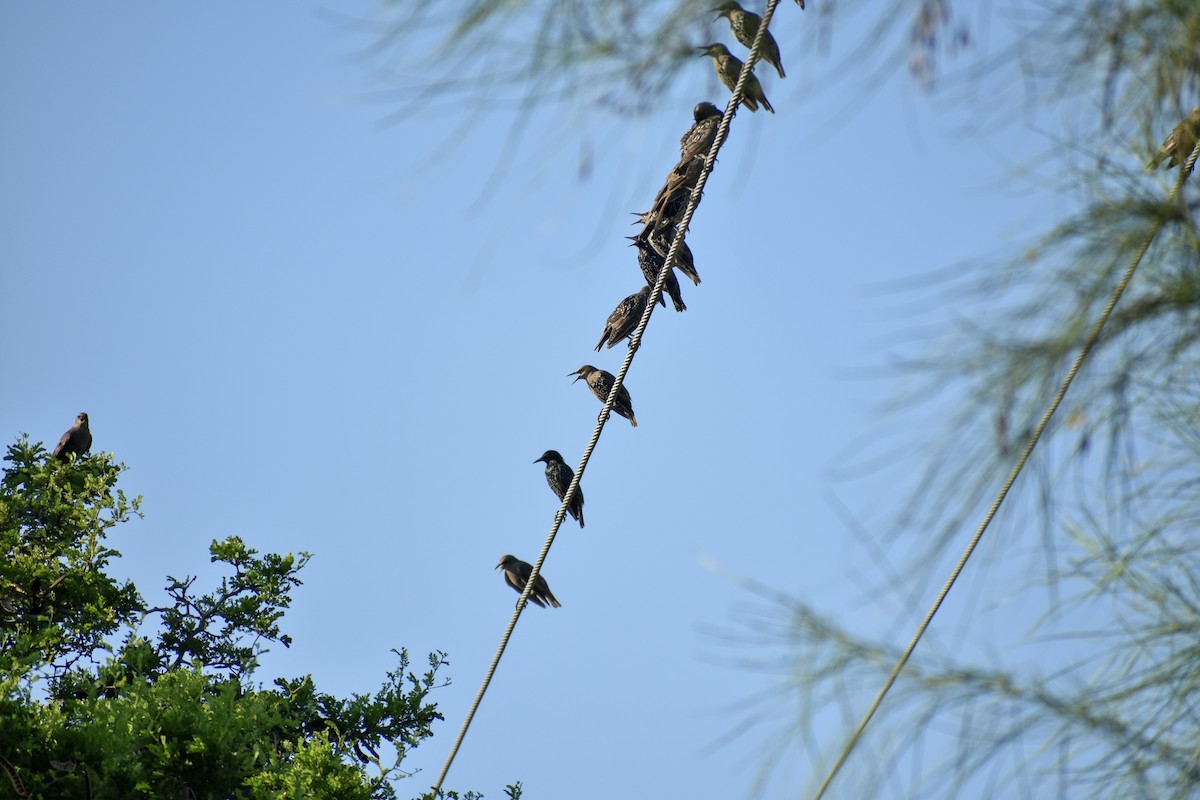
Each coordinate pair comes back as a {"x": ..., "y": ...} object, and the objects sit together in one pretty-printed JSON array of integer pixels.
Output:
[
  {"x": 77, "y": 440},
  {"x": 728, "y": 68},
  {"x": 744, "y": 25},
  {"x": 559, "y": 476},
  {"x": 624, "y": 318},
  {"x": 685, "y": 262},
  {"x": 601, "y": 383},
  {"x": 699, "y": 138},
  {"x": 639, "y": 240},
  {"x": 516, "y": 575},
  {"x": 672, "y": 199},
  {"x": 651, "y": 263},
  {"x": 1179, "y": 142}
]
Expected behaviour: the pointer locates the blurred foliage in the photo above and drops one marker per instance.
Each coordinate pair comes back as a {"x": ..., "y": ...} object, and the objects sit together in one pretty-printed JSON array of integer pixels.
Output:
[
  {"x": 621, "y": 54},
  {"x": 92, "y": 707},
  {"x": 1078, "y": 675},
  {"x": 1096, "y": 696},
  {"x": 617, "y": 54}
]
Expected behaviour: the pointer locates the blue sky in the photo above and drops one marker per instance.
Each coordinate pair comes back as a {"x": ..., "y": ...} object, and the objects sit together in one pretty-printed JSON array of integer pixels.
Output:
[{"x": 320, "y": 333}]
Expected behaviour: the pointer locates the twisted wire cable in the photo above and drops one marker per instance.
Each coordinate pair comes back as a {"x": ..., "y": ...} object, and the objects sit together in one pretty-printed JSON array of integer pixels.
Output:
[
  {"x": 1084, "y": 350},
  {"x": 635, "y": 341}
]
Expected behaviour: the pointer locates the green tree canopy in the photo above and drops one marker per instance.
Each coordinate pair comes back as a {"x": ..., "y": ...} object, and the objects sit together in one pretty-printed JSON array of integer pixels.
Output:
[{"x": 105, "y": 696}]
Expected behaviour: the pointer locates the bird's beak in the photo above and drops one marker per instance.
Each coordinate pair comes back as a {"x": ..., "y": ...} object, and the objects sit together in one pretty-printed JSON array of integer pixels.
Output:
[
  {"x": 536, "y": 460},
  {"x": 576, "y": 374}
]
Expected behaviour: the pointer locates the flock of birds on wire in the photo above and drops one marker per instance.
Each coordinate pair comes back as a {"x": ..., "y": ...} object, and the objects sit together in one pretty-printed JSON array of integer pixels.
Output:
[
  {"x": 653, "y": 243},
  {"x": 659, "y": 227}
]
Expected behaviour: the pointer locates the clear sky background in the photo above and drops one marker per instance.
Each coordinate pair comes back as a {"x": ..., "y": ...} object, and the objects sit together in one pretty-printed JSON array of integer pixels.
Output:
[{"x": 321, "y": 333}]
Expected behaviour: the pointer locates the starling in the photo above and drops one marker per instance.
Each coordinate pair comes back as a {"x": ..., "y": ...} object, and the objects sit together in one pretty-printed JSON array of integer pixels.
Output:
[
  {"x": 651, "y": 263},
  {"x": 516, "y": 575},
  {"x": 685, "y": 262},
  {"x": 699, "y": 138},
  {"x": 728, "y": 68},
  {"x": 624, "y": 318},
  {"x": 744, "y": 25},
  {"x": 601, "y": 382},
  {"x": 559, "y": 476},
  {"x": 77, "y": 440},
  {"x": 672, "y": 199},
  {"x": 1179, "y": 142}
]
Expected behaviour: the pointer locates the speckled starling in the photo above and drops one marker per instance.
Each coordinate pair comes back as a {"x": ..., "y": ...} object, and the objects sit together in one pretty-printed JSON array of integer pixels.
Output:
[
  {"x": 601, "y": 383},
  {"x": 559, "y": 476},
  {"x": 516, "y": 575},
  {"x": 77, "y": 440},
  {"x": 660, "y": 240},
  {"x": 685, "y": 262},
  {"x": 728, "y": 68},
  {"x": 1179, "y": 142},
  {"x": 651, "y": 263},
  {"x": 624, "y": 318},
  {"x": 744, "y": 25},
  {"x": 672, "y": 199},
  {"x": 699, "y": 138}
]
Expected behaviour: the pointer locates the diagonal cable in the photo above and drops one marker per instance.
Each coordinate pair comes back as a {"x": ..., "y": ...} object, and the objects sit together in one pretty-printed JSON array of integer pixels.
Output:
[
  {"x": 635, "y": 342},
  {"x": 1184, "y": 170}
]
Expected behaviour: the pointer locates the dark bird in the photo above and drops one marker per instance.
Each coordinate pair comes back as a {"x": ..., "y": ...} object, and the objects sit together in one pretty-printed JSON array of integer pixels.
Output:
[
  {"x": 745, "y": 25},
  {"x": 77, "y": 440},
  {"x": 699, "y": 138},
  {"x": 672, "y": 199},
  {"x": 685, "y": 262},
  {"x": 559, "y": 476},
  {"x": 624, "y": 318},
  {"x": 651, "y": 263},
  {"x": 1179, "y": 142},
  {"x": 601, "y": 383},
  {"x": 728, "y": 68},
  {"x": 516, "y": 575}
]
